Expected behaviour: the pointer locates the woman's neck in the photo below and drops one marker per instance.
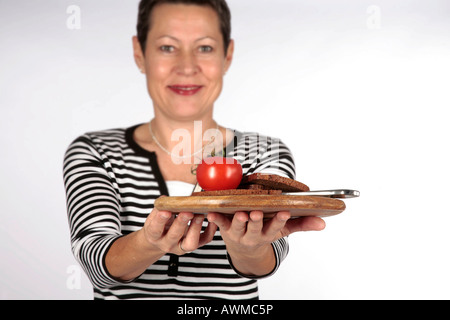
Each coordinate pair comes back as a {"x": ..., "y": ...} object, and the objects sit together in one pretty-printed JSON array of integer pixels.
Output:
[{"x": 184, "y": 138}]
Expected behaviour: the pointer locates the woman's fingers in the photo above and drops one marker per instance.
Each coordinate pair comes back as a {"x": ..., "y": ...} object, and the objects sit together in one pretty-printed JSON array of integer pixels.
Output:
[
  {"x": 252, "y": 228},
  {"x": 219, "y": 219},
  {"x": 305, "y": 224},
  {"x": 255, "y": 225},
  {"x": 179, "y": 226},
  {"x": 155, "y": 225},
  {"x": 191, "y": 240},
  {"x": 273, "y": 227},
  {"x": 238, "y": 225},
  {"x": 177, "y": 235},
  {"x": 207, "y": 235}
]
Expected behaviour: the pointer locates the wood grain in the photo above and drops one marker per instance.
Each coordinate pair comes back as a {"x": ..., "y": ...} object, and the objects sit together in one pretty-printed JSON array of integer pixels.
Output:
[{"x": 298, "y": 206}]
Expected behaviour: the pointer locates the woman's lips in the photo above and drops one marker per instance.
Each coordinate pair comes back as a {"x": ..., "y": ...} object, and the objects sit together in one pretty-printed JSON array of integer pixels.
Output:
[{"x": 185, "y": 90}]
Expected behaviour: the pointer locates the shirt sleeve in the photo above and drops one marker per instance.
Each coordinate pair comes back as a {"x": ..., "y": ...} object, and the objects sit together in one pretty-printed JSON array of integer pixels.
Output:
[
  {"x": 92, "y": 208},
  {"x": 275, "y": 158}
]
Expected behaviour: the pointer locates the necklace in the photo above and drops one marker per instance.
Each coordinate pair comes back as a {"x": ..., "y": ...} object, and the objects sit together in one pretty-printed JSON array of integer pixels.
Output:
[{"x": 172, "y": 154}]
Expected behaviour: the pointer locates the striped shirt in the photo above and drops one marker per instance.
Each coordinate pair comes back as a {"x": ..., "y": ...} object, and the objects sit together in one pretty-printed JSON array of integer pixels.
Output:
[{"x": 111, "y": 184}]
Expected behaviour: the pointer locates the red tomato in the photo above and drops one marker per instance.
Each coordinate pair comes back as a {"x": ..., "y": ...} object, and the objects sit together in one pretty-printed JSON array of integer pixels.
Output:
[{"x": 218, "y": 173}]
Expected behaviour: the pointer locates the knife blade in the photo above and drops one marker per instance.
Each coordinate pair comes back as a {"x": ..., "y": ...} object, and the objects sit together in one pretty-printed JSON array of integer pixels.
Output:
[
  {"x": 337, "y": 193},
  {"x": 197, "y": 188}
]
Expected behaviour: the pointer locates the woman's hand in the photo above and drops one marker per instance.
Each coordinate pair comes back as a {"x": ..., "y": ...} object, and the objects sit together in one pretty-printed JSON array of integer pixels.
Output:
[
  {"x": 248, "y": 237},
  {"x": 177, "y": 235},
  {"x": 129, "y": 256}
]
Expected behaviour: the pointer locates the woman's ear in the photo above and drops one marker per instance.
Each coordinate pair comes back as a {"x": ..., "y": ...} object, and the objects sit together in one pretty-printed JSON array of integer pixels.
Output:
[
  {"x": 138, "y": 55},
  {"x": 229, "y": 56}
]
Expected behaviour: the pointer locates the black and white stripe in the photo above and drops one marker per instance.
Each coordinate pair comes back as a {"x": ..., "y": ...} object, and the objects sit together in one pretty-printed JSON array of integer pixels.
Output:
[{"x": 111, "y": 184}]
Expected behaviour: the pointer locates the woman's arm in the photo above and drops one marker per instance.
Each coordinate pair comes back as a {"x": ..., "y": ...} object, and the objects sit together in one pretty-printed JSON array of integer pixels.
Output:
[
  {"x": 93, "y": 209},
  {"x": 98, "y": 244}
]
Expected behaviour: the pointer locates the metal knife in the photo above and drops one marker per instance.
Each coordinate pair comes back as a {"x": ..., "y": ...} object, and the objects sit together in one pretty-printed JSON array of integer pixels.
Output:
[
  {"x": 197, "y": 188},
  {"x": 338, "y": 193}
]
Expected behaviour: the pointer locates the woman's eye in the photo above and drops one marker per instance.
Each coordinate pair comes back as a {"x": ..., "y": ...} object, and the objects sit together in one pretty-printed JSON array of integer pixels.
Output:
[
  {"x": 205, "y": 49},
  {"x": 167, "y": 48}
]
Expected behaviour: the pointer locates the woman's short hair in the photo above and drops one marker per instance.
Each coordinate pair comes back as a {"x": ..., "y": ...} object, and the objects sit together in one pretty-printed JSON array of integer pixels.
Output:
[{"x": 219, "y": 6}]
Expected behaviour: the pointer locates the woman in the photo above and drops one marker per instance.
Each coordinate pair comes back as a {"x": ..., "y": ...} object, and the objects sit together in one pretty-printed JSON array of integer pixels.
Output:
[{"x": 131, "y": 250}]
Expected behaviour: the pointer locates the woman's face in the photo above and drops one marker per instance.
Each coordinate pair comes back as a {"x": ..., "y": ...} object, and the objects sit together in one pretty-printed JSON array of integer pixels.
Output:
[{"x": 184, "y": 60}]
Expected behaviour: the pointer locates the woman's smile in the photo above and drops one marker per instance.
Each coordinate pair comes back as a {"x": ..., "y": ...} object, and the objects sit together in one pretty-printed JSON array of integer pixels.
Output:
[{"x": 185, "y": 90}]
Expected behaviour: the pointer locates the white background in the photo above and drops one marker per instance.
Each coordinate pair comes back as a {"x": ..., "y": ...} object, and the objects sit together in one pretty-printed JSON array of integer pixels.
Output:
[{"x": 357, "y": 89}]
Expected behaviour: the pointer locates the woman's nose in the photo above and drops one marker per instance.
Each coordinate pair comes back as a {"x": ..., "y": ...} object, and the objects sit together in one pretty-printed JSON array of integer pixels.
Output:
[{"x": 187, "y": 64}]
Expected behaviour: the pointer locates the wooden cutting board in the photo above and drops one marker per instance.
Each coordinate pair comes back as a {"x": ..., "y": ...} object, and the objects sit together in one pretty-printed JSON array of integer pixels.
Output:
[{"x": 298, "y": 206}]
